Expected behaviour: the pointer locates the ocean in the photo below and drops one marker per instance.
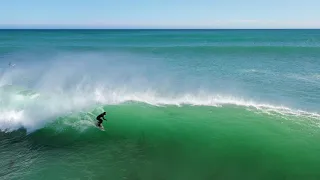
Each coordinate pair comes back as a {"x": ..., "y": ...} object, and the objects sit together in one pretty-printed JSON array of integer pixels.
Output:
[{"x": 181, "y": 104}]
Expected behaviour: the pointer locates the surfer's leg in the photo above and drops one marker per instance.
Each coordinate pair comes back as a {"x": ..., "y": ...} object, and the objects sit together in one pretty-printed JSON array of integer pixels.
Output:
[{"x": 99, "y": 122}]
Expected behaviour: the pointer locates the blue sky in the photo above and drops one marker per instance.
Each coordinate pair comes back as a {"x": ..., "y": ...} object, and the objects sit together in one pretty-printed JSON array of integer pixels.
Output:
[{"x": 160, "y": 14}]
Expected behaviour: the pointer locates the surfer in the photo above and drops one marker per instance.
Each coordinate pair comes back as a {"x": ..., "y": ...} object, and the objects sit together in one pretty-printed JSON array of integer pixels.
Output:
[{"x": 100, "y": 118}]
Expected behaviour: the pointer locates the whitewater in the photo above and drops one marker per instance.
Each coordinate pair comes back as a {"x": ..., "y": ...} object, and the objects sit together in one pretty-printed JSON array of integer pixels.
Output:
[{"x": 59, "y": 93}]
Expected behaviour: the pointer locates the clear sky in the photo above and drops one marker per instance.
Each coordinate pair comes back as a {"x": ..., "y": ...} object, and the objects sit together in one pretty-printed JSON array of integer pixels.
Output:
[{"x": 160, "y": 14}]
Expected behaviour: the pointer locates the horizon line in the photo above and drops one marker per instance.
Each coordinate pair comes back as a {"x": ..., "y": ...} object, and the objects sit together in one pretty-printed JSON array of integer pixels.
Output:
[{"x": 91, "y": 28}]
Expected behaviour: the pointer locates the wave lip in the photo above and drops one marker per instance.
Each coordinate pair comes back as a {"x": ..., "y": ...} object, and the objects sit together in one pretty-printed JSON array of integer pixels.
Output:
[{"x": 204, "y": 100}]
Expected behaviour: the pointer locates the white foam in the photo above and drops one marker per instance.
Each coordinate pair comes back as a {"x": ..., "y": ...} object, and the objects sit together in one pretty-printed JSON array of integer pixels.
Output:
[
  {"x": 10, "y": 119},
  {"x": 34, "y": 111},
  {"x": 59, "y": 91},
  {"x": 199, "y": 99}
]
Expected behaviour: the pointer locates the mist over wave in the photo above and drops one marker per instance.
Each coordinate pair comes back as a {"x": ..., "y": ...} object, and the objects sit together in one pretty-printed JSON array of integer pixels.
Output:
[{"x": 34, "y": 93}]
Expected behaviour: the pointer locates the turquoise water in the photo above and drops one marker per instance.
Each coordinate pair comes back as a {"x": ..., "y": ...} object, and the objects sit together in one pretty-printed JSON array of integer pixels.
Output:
[{"x": 181, "y": 104}]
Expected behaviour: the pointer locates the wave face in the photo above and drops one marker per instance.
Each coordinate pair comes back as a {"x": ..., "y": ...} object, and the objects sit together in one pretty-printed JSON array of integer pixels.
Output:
[{"x": 181, "y": 104}]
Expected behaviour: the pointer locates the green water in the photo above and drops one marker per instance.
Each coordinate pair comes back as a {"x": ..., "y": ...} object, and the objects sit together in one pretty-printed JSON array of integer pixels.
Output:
[
  {"x": 181, "y": 104},
  {"x": 147, "y": 142}
]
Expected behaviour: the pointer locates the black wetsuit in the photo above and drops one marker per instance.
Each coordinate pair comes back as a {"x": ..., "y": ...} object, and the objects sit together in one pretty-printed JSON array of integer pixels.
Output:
[{"x": 100, "y": 118}]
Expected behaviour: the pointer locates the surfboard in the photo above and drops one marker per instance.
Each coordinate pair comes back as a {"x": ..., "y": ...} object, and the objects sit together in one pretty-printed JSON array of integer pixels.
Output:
[{"x": 101, "y": 128}]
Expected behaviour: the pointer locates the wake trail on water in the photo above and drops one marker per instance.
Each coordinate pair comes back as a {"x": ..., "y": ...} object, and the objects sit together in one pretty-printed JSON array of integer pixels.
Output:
[{"x": 35, "y": 93}]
